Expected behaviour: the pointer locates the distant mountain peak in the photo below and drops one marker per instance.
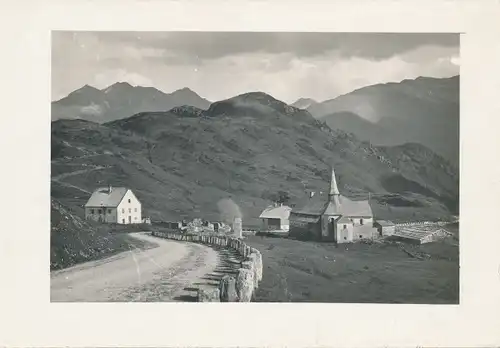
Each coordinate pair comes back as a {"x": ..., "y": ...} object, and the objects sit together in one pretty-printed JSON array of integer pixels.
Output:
[
  {"x": 304, "y": 103},
  {"x": 85, "y": 88},
  {"x": 117, "y": 86},
  {"x": 185, "y": 89}
]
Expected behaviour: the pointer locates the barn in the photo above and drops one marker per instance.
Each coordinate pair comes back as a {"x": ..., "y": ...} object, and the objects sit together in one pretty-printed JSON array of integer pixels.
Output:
[
  {"x": 275, "y": 218},
  {"x": 332, "y": 217},
  {"x": 113, "y": 205}
]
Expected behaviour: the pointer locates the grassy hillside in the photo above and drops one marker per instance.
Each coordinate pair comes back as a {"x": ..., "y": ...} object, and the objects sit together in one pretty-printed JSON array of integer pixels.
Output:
[
  {"x": 74, "y": 240},
  {"x": 357, "y": 273},
  {"x": 180, "y": 163}
]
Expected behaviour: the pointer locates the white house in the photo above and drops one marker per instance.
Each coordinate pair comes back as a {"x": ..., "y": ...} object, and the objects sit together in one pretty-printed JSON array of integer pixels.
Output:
[
  {"x": 114, "y": 205},
  {"x": 276, "y": 218}
]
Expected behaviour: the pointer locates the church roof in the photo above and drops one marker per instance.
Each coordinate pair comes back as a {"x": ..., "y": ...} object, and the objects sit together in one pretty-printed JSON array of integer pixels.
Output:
[
  {"x": 320, "y": 204},
  {"x": 333, "y": 204},
  {"x": 314, "y": 205}
]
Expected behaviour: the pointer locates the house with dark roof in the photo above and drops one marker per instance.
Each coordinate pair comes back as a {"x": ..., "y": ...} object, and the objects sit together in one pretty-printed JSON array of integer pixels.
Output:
[
  {"x": 332, "y": 217},
  {"x": 113, "y": 205},
  {"x": 275, "y": 218}
]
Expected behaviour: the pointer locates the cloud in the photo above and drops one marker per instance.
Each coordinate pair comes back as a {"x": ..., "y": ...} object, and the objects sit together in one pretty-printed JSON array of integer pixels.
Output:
[
  {"x": 221, "y": 65},
  {"x": 91, "y": 109},
  {"x": 213, "y": 45}
]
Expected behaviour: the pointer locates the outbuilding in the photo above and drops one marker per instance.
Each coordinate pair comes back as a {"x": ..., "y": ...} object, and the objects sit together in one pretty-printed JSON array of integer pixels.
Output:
[
  {"x": 275, "y": 218},
  {"x": 384, "y": 227}
]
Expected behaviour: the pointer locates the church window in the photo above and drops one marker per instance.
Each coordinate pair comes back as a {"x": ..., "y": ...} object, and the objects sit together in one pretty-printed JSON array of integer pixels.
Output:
[{"x": 345, "y": 226}]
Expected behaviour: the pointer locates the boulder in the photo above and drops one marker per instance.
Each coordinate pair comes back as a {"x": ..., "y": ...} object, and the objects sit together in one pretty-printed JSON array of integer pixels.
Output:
[
  {"x": 227, "y": 288},
  {"x": 253, "y": 261},
  {"x": 244, "y": 285},
  {"x": 258, "y": 264},
  {"x": 208, "y": 295}
]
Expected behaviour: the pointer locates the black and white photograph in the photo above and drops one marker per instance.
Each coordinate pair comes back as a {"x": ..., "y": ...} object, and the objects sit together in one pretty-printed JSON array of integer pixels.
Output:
[{"x": 199, "y": 166}]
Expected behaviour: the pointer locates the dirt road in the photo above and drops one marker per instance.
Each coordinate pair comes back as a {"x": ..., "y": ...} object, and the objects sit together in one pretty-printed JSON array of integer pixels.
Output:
[{"x": 165, "y": 273}]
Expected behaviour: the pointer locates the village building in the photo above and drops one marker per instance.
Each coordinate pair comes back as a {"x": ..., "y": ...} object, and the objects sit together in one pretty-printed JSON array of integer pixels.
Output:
[
  {"x": 114, "y": 205},
  {"x": 276, "y": 218},
  {"x": 384, "y": 227},
  {"x": 332, "y": 217}
]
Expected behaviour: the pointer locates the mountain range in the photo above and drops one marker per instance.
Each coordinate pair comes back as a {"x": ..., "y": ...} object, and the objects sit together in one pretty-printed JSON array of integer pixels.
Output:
[
  {"x": 182, "y": 161},
  {"x": 120, "y": 100},
  {"x": 424, "y": 110}
]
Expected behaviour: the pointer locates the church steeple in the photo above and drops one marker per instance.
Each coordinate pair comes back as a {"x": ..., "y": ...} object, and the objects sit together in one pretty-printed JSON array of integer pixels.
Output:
[{"x": 333, "y": 195}]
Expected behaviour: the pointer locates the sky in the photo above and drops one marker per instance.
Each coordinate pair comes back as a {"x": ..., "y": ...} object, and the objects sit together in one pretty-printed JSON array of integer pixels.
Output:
[{"x": 221, "y": 65}]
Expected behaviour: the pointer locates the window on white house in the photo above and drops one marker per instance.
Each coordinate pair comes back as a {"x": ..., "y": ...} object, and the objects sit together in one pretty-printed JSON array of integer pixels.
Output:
[
  {"x": 100, "y": 211},
  {"x": 123, "y": 210},
  {"x": 135, "y": 209},
  {"x": 109, "y": 211},
  {"x": 129, "y": 210},
  {"x": 345, "y": 238},
  {"x": 360, "y": 236},
  {"x": 345, "y": 226},
  {"x": 361, "y": 221},
  {"x": 129, "y": 200},
  {"x": 91, "y": 211}
]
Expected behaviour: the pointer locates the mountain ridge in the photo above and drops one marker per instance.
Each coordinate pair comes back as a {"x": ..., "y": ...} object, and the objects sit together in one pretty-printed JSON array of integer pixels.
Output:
[
  {"x": 121, "y": 100},
  {"x": 424, "y": 110}
]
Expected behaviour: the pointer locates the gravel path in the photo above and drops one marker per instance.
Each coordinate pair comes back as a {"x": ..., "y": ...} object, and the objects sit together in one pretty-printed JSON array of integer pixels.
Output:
[{"x": 170, "y": 272}]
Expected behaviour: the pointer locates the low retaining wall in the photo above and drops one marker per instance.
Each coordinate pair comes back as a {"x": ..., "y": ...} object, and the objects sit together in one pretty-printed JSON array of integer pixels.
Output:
[{"x": 239, "y": 288}]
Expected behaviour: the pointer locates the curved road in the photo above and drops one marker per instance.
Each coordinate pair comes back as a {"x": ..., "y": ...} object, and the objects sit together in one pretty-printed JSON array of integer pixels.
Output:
[{"x": 163, "y": 273}]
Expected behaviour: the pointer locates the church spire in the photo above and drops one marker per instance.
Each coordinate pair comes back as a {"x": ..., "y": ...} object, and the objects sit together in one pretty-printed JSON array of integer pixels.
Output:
[
  {"x": 333, "y": 185},
  {"x": 334, "y": 193}
]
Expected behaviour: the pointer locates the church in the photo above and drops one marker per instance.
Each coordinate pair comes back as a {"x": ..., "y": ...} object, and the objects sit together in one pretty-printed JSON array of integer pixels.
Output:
[{"x": 332, "y": 217}]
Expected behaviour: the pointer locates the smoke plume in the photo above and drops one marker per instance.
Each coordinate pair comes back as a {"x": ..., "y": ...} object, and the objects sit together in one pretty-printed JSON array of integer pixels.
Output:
[{"x": 228, "y": 210}]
